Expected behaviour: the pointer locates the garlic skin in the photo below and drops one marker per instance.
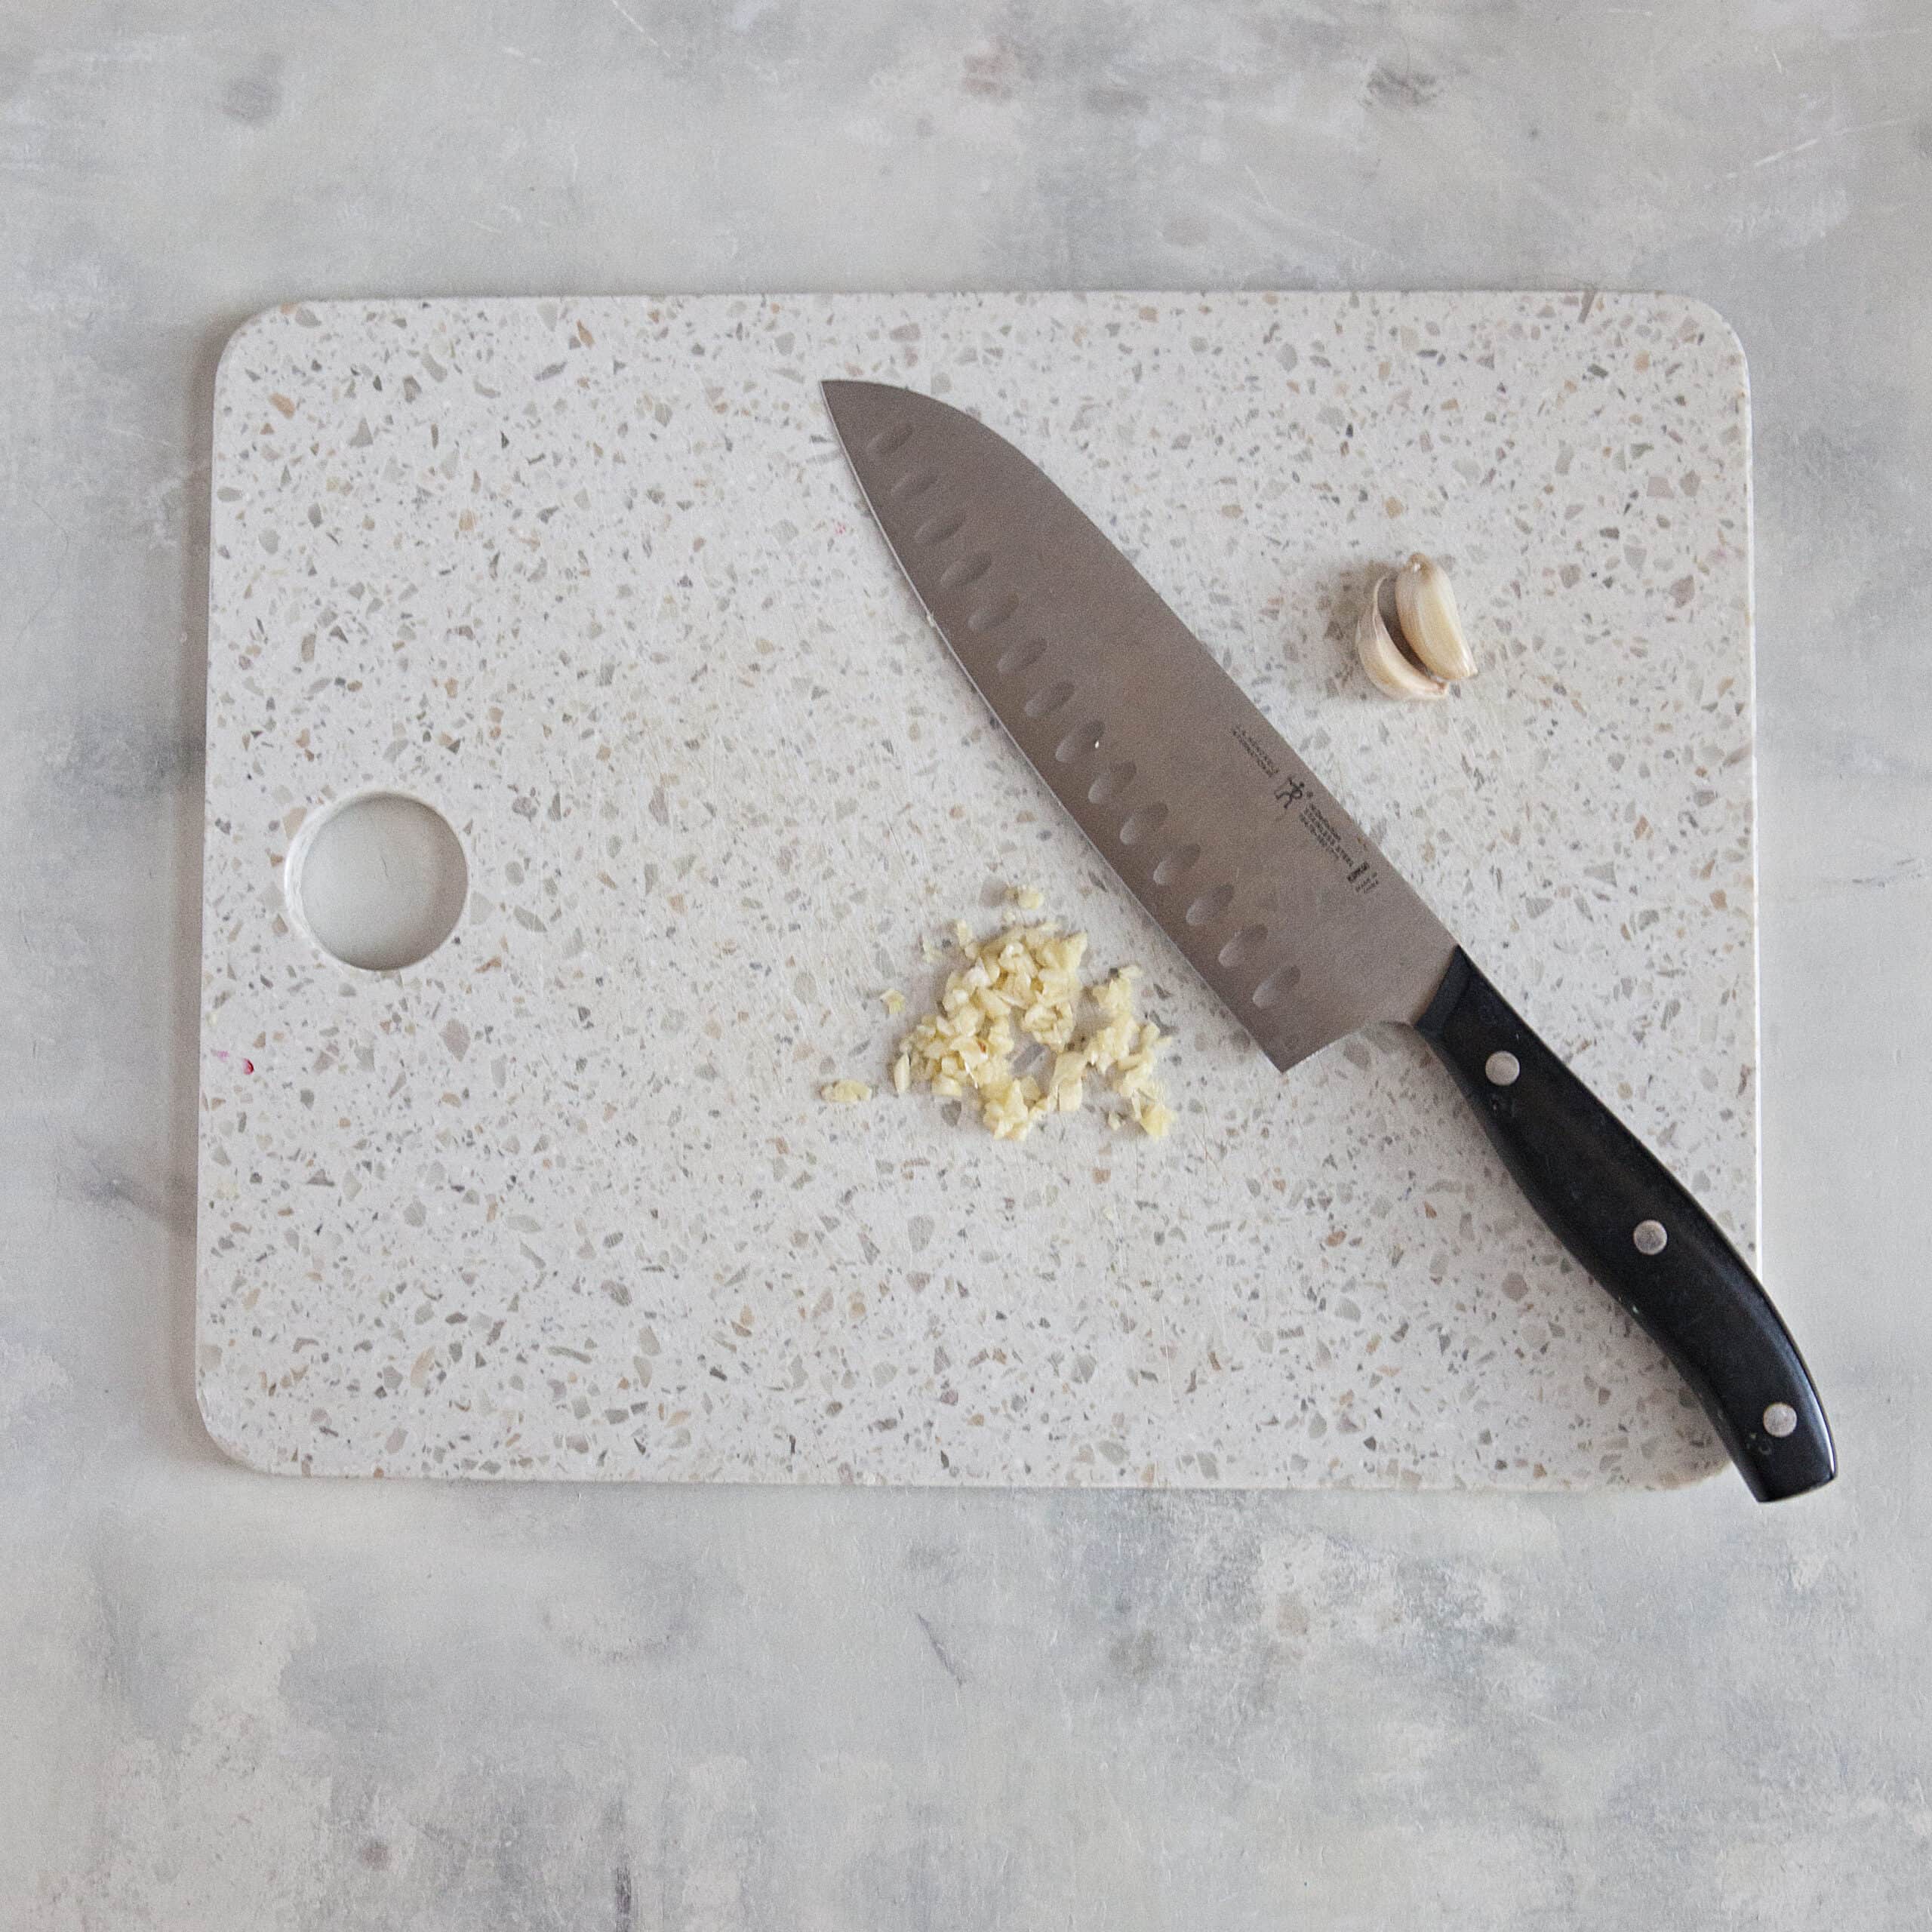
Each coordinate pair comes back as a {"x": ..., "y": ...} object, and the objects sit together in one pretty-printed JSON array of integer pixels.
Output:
[
  {"x": 1390, "y": 668},
  {"x": 1431, "y": 626}
]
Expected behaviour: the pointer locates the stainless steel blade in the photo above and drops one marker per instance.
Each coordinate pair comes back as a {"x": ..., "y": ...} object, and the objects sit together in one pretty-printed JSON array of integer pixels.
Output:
[{"x": 1278, "y": 898}]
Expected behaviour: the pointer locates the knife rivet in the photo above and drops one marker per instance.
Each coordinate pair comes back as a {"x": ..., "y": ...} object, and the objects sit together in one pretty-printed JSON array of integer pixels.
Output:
[
  {"x": 1501, "y": 1069},
  {"x": 1650, "y": 1237},
  {"x": 1780, "y": 1419}
]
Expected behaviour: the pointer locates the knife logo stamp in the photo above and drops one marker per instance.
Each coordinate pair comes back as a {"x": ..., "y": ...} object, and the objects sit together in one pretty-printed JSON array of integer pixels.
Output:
[
  {"x": 1363, "y": 878},
  {"x": 1296, "y": 797},
  {"x": 1293, "y": 792},
  {"x": 1257, "y": 751}
]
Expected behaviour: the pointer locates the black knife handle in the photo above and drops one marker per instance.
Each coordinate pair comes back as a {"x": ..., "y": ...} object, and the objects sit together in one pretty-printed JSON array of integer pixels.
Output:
[{"x": 1626, "y": 1218}]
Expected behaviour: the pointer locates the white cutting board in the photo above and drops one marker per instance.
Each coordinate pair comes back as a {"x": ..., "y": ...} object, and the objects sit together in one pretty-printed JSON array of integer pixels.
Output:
[{"x": 591, "y": 578}]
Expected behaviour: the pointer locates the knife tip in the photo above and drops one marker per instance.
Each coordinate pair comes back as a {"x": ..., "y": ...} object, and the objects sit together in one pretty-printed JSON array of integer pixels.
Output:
[{"x": 857, "y": 407}]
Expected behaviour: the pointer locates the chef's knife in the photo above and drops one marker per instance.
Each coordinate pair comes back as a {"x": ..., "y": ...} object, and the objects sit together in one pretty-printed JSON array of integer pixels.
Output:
[{"x": 1280, "y": 900}]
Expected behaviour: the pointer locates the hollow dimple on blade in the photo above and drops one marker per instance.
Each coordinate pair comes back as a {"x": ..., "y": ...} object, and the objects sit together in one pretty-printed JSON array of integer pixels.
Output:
[{"x": 1277, "y": 897}]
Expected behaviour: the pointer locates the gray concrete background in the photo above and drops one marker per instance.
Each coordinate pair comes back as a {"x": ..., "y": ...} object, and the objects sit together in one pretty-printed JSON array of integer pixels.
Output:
[{"x": 233, "y": 1703}]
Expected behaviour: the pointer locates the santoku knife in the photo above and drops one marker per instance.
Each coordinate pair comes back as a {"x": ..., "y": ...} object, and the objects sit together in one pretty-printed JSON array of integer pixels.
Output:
[{"x": 1279, "y": 900}]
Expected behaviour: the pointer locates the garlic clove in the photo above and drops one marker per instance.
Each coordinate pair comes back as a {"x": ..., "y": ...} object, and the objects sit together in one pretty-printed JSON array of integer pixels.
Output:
[
  {"x": 1390, "y": 669},
  {"x": 1431, "y": 625}
]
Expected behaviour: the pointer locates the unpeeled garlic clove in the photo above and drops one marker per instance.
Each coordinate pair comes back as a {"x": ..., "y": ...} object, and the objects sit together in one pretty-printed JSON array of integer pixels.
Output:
[
  {"x": 1390, "y": 668},
  {"x": 1431, "y": 628}
]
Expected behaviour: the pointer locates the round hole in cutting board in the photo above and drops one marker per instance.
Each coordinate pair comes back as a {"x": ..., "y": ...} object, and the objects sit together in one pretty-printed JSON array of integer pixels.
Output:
[{"x": 379, "y": 881}]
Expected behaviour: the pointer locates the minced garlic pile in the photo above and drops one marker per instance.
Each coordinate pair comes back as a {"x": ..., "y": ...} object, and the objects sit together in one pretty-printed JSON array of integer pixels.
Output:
[{"x": 1024, "y": 985}]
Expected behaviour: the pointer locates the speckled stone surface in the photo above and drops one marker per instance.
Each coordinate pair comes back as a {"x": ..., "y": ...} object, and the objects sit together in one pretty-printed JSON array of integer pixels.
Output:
[{"x": 592, "y": 577}]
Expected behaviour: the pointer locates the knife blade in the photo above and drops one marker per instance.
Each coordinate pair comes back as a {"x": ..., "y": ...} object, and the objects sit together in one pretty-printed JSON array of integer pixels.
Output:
[{"x": 1277, "y": 896}]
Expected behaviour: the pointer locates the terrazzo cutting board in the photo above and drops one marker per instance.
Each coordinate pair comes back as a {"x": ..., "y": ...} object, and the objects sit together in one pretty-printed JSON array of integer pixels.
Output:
[{"x": 592, "y": 580}]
